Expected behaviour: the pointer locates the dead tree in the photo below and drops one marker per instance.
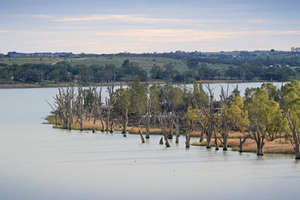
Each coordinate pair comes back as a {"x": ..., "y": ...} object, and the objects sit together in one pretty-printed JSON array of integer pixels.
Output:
[
  {"x": 110, "y": 105},
  {"x": 223, "y": 125},
  {"x": 70, "y": 103},
  {"x": 79, "y": 105},
  {"x": 64, "y": 102},
  {"x": 100, "y": 110},
  {"x": 163, "y": 126},
  {"x": 141, "y": 134},
  {"x": 148, "y": 107},
  {"x": 206, "y": 119}
]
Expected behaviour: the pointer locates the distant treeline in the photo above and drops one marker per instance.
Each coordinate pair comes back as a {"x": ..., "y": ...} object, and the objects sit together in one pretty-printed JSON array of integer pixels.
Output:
[
  {"x": 198, "y": 69},
  {"x": 64, "y": 72}
]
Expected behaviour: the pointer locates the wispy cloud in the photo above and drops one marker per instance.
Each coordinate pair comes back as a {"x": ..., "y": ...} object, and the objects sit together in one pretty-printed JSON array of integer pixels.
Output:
[
  {"x": 4, "y": 31},
  {"x": 159, "y": 35},
  {"x": 138, "y": 18},
  {"x": 188, "y": 34},
  {"x": 130, "y": 18}
]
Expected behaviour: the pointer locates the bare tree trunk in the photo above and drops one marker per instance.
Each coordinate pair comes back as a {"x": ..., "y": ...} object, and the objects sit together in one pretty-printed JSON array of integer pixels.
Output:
[
  {"x": 107, "y": 120},
  {"x": 55, "y": 118},
  {"x": 201, "y": 136},
  {"x": 102, "y": 123},
  {"x": 147, "y": 125},
  {"x": 208, "y": 140},
  {"x": 112, "y": 127},
  {"x": 241, "y": 145},
  {"x": 154, "y": 118},
  {"x": 161, "y": 141},
  {"x": 166, "y": 140},
  {"x": 163, "y": 128},
  {"x": 187, "y": 141},
  {"x": 216, "y": 140},
  {"x": 80, "y": 115},
  {"x": 296, "y": 148},
  {"x": 170, "y": 135},
  {"x": 260, "y": 148},
  {"x": 225, "y": 136},
  {"x": 177, "y": 130},
  {"x": 141, "y": 134},
  {"x": 125, "y": 122}
]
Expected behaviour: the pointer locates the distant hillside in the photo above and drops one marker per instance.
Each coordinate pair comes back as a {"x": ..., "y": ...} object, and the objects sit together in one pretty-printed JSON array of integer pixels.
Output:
[{"x": 176, "y": 66}]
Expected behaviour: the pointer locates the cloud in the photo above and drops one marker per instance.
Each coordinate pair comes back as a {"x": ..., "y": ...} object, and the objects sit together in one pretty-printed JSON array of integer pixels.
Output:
[
  {"x": 4, "y": 31},
  {"x": 130, "y": 18},
  {"x": 155, "y": 35},
  {"x": 143, "y": 19}
]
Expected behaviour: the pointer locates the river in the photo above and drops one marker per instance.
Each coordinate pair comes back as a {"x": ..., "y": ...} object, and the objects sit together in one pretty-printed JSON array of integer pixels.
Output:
[{"x": 39, "y": 162}]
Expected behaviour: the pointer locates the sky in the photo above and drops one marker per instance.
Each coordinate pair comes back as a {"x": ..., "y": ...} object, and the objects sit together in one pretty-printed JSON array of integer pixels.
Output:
[{"x": 141, "y": 26}]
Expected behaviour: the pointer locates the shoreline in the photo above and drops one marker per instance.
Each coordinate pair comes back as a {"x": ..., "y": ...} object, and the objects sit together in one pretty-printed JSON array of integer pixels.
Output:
[
  {"x": 277, "y": 146},
  {"x": 119, "y": 83}
]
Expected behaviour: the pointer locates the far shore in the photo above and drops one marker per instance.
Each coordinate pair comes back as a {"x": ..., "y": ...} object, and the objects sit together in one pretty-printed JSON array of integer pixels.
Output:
[{"x": 56, "y": 85}]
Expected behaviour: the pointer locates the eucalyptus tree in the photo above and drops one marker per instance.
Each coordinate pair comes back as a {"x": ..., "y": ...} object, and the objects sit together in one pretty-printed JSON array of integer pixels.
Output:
[
  {"x": 138, "y": 97},
  {"x": 121, "y": 98},
  {"x": 154, "y": 102},
  {"x": 291, "y": 96},
  {"x": 238, "y": 117},
  {"x": 263, "y": 113},
  {"x": 171, "y": 98}
]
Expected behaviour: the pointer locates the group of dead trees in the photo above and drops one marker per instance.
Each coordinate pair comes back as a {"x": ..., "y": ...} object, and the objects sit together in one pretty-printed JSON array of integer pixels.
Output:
[{"x": 74, "y": 105}]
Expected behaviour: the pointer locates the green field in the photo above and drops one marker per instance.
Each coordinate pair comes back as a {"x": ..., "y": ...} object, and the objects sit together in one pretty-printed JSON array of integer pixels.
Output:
[{"x": 145, "y": 62}]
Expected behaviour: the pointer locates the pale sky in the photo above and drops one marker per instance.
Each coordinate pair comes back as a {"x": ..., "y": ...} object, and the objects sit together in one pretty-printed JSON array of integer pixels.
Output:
[{"x": 137, "y": 26}]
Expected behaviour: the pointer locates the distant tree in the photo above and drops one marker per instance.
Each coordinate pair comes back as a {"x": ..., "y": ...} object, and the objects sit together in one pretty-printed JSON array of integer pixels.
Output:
[
  {"x": 192, "y": 64},
  {"x": 156, "y": 72}
]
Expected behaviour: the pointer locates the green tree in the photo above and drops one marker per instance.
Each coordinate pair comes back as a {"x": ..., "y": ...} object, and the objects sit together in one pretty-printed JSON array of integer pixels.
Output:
[
  {"x": 263, "y": 114},
  {"x": 121, "y": 105},
  {"x": 138, "y": 97},
  {"x": 291, "y": 95}
]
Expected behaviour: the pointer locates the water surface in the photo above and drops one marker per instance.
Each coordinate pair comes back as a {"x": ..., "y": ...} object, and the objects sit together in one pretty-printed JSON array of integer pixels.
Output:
[{"x": 39, "y": 162}]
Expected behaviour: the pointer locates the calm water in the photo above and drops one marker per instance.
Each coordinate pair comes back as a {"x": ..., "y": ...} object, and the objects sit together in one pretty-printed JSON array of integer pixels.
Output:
[{"x": 38, "y": 162}]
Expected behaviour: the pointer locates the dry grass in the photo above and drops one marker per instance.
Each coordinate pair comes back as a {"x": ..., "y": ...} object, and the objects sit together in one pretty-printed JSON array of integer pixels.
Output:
[
  {"x": 276, "y": 146},
  {"x": 152, "y": 131},
  {"x": 232, "y": 134}
]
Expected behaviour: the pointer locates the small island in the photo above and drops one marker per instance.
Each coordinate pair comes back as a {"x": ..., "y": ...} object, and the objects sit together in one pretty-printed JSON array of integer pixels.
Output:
[{"x": 265, "y": 120}]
